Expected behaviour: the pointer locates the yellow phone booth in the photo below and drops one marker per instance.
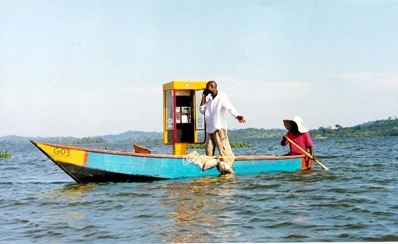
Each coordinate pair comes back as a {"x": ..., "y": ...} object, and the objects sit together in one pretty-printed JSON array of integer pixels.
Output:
[{"x": 182, "y": 122}]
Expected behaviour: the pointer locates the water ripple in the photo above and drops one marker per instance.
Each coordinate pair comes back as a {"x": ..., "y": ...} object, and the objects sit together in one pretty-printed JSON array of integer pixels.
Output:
[{"x": 354, "y": 201}]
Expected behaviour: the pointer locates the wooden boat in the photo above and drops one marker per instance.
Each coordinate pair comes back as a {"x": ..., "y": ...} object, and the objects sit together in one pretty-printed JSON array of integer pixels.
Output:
[
  {"x": 183, "y": 124},
  {"x": 97, "y": 165}
]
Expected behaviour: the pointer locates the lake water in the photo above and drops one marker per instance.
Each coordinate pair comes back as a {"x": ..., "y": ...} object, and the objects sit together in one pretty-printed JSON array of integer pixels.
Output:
[{"x": 357, "y": 200}]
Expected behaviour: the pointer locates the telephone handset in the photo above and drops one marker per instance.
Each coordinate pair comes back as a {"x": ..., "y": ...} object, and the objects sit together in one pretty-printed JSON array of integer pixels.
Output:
[{"x": 183, "y": 115}]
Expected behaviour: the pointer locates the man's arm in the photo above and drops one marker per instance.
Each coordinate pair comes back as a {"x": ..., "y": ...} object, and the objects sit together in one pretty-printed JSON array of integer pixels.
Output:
[
  {"x": 231, "y": 109},
  {"x": 202, "y": 107}
]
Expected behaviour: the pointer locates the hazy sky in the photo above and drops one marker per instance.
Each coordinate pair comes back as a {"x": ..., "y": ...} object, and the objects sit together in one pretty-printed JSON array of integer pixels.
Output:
[{"x": 87, "y": 68}]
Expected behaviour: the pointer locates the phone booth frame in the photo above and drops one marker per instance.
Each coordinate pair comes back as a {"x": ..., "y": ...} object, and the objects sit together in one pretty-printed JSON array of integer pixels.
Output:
[{"x": 182, "y": 122}]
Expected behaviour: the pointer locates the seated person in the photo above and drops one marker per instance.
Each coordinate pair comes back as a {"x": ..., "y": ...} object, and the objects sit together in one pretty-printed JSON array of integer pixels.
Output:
[{"x": 299, "y": 134}]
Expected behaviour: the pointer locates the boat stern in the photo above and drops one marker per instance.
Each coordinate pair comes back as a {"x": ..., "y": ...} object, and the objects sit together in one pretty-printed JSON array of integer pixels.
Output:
[{"x": 306, "y": 163}]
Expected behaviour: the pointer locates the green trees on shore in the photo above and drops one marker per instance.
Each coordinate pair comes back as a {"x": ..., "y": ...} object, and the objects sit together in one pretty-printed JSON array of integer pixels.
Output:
[
  {"x": 387, "y": 127},
  {"x": 90, "y": 140}
]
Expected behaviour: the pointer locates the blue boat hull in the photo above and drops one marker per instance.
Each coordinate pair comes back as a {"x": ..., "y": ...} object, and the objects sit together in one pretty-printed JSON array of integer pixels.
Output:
[{"x": 95, "y": 165}]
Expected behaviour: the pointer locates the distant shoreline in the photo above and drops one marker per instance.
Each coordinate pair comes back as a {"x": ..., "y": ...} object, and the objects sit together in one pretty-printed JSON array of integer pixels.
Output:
[{"x": 387, "y": 127}]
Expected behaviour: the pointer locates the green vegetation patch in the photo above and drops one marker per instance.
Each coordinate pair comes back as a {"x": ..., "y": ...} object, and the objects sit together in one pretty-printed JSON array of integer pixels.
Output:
[
  {"x": 233, "y": 145},
  {"x": 387, "y": 127},
  {"x": 5, "y": 154}
]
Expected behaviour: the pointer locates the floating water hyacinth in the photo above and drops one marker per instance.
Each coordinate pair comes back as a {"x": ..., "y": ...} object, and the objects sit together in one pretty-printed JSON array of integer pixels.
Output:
[
  {"x": 233, "y": 145},
  {"x": 5, "y": 154}
]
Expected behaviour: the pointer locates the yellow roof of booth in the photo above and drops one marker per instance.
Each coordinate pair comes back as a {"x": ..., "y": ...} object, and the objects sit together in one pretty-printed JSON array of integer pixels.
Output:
[{"x": 185, "y": 85}]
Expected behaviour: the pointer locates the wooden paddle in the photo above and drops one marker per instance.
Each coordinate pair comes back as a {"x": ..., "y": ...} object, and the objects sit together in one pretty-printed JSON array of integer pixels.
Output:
[{"x": 306, "y": 153}]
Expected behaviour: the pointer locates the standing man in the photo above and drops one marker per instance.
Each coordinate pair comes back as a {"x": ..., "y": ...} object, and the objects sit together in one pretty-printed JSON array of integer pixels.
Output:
[{"x": 214, "y": 105}]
